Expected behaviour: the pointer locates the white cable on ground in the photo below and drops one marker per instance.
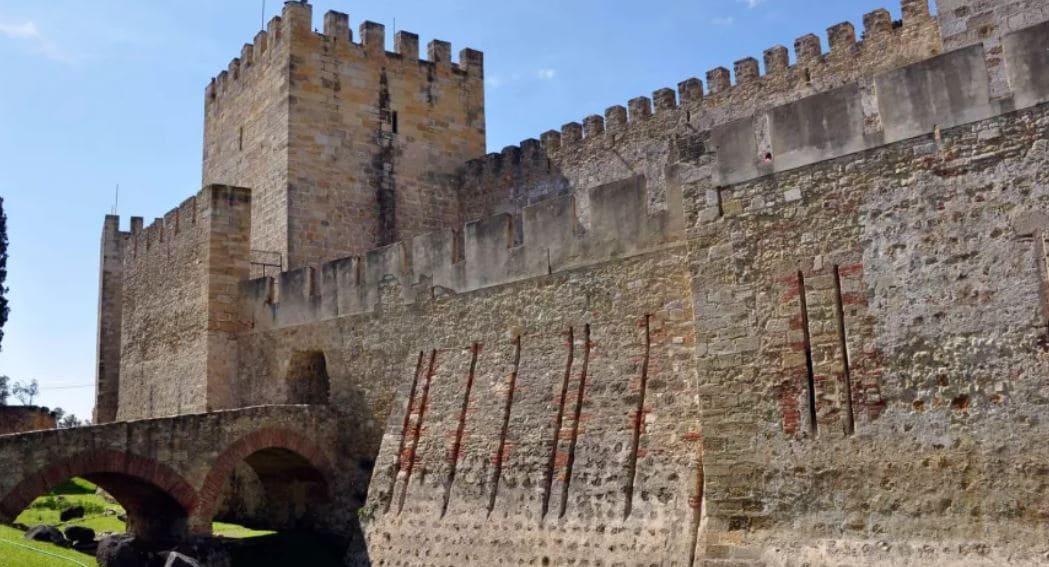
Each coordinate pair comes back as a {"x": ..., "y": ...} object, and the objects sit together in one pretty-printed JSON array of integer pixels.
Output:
[{"x": 41, "y": 551}]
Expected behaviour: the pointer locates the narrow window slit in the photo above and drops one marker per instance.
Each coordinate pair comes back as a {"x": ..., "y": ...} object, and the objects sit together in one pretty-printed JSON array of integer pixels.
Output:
[
  {"x": 417, "y": 430},
  {"x": 575, "y": 423},
  {"x": 453, "y": 455},
  {"x": 639, "y": 423},
  {"x": 809, "y": 370},
  {"x": 404, "y": 429},
  {"x": 507, "y": 408},
  {"x": 548, "y": 481},
  {"x": 843, "y": 341}
]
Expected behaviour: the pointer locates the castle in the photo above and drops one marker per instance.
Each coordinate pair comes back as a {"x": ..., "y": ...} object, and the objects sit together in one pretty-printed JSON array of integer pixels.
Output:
[{"x": 798, "y": 316}]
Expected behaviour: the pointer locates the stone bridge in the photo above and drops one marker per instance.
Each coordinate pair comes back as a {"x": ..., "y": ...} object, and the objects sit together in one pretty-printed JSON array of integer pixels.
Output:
[{"x": 171, "y": 474}]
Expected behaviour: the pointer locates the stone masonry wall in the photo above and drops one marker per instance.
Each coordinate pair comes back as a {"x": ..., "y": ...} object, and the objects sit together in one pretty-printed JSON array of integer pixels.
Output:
[
  {"x": 887, "y": 357},
  {"x": 110, "y": 302},
  {"x": 516, "y": 408},
  {"x": 372, "y": 135},
  {"x": 246, "y": 136},
  {"x": 968, "y": 22},
  {"x": 347, "y": 146},
  {"x": 179, "y": 305},
  {"x": 652, "y": 134}
]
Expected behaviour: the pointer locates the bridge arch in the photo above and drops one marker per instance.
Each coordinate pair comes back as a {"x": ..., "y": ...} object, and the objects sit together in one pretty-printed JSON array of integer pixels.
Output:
[
  {"x": 157, "y": 499},
  {"x": 292, "y": 469}
]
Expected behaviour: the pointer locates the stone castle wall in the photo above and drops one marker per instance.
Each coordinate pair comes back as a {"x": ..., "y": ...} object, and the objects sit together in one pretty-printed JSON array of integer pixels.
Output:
[
  {"x": 177, "y": 355},
  {"x": 798, "y": 317},
  {"x": 110, "y": 306},
  {"x": 246, "y": 115},
  {"x": 346, "y": 145}
]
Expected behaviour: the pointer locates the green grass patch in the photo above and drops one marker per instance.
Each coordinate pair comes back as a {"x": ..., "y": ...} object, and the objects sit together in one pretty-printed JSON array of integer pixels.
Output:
[
  {"x": 16, "y": 551},
  {"x": 99, "y": 515},
  {"x": 234, "y": 531}
]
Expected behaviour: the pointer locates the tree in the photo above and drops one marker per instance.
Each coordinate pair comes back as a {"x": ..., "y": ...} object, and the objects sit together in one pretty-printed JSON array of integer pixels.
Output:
[
  {"x": 71, "y": 420},
  {"x": 3, "y": 271},
  {"x": 5, "y": 390},
  {"x": 26, "y": 391}
]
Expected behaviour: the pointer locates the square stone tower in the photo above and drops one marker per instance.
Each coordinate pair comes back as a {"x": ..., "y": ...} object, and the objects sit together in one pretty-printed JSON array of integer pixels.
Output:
[{"x": 344, "y": 145}]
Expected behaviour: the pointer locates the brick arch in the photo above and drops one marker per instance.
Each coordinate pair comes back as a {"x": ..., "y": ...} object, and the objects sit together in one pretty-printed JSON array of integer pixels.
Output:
[
  {"x": 107, "y": 467},
  {"x": 259, "y": 440}
]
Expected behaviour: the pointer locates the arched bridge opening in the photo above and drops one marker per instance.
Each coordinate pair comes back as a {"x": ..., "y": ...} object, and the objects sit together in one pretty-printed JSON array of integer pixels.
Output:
[
  {"x": 157, "y": 500},
  {"x": 269, "y": 479}
]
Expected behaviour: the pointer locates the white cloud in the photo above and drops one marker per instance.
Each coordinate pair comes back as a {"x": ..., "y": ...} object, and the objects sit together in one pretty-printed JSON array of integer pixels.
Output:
[
  {"x": 19, "y": 31},
  {"x": 751, "y": 3},
  {"x": 495, "y": 80},
  {"x": 723, "y": 21},
  {"x": 29, "y": 33}
]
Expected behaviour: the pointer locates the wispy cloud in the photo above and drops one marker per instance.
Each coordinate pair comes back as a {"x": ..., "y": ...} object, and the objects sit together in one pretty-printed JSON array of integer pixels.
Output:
[
  {"x": 752, "y": 3},
  {"x": 26, "y": 30},
  {"x": 30, "y": 34},
  {"x": 496, "y": 80},
  {"x": 723, "y": 21}
]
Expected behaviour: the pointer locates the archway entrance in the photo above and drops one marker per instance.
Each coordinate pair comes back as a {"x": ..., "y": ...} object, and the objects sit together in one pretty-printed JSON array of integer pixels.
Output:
[
  {"x": 307, "y": 378},
  {"x": 273, "y": 489},
  {"x": 155, "y": 500}
]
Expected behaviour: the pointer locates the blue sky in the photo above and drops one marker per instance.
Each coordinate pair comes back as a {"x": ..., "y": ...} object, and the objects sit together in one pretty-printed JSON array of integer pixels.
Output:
[{"x": 111, "y": 91}]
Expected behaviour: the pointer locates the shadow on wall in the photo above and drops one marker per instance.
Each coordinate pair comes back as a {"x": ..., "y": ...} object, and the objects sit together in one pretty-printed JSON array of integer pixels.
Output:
[{"x": 307, "y": 378}]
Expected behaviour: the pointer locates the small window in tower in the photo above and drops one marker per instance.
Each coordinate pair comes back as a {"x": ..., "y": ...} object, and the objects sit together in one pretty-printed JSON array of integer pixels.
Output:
[
  {"x": 240, "y": 139},
  {"x": 393, "y": 121}
]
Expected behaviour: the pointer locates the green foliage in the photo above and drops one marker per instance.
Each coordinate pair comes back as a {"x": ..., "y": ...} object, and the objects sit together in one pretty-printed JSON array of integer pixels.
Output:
[
  {"x": 5, "y": 389},
  {"x": 4, "y": 309},
  {"x": 75, "y": 485},
  {"x": 366, "y": 513}
]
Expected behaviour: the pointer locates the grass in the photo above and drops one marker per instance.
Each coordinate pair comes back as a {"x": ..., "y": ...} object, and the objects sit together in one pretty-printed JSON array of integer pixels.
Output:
[
  {"x": 99, "y": 515},
  {"x": 16, "y": 551}
]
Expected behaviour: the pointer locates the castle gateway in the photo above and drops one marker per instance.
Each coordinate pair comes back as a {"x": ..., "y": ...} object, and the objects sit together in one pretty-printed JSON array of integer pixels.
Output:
[{"x": 798, "y": 316}]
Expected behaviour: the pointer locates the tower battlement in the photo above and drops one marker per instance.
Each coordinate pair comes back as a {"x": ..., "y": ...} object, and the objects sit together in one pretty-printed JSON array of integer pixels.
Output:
[
  {"x": 337, "y": 36},
  {"x": 343, "y": 143},
  {"x": 731, "y": 94}
]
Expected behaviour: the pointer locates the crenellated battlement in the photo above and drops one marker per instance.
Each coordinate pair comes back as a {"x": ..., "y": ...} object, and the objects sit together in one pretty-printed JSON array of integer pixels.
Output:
[
  {"x": 175, "y": 223},
  {"x": 179, "y": 226},
  {"x": 729, "y": 94},
  {"x": 545, "y": 238},
  {"x": 296, "y": 20}
]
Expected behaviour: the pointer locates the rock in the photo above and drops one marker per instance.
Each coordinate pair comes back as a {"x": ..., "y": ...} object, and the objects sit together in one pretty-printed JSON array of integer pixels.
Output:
[
  {"x": 122, "y": 551},
  {"x": 71, "y": 513},
  {"x": 79, "y": 534},
  {"x": 176, "y": 559},
  {"x": 204, "y": 552},
  {"x": 48, "y": 534}
]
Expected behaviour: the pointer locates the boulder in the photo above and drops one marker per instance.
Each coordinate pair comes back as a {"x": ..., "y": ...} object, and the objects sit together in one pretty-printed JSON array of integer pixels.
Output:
[
  {"x": 122, "y": 551},
  {"x": 49, "y": 534},
  {"x": 80, "y": 534},
  {"x": 71, "y": 513}
]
